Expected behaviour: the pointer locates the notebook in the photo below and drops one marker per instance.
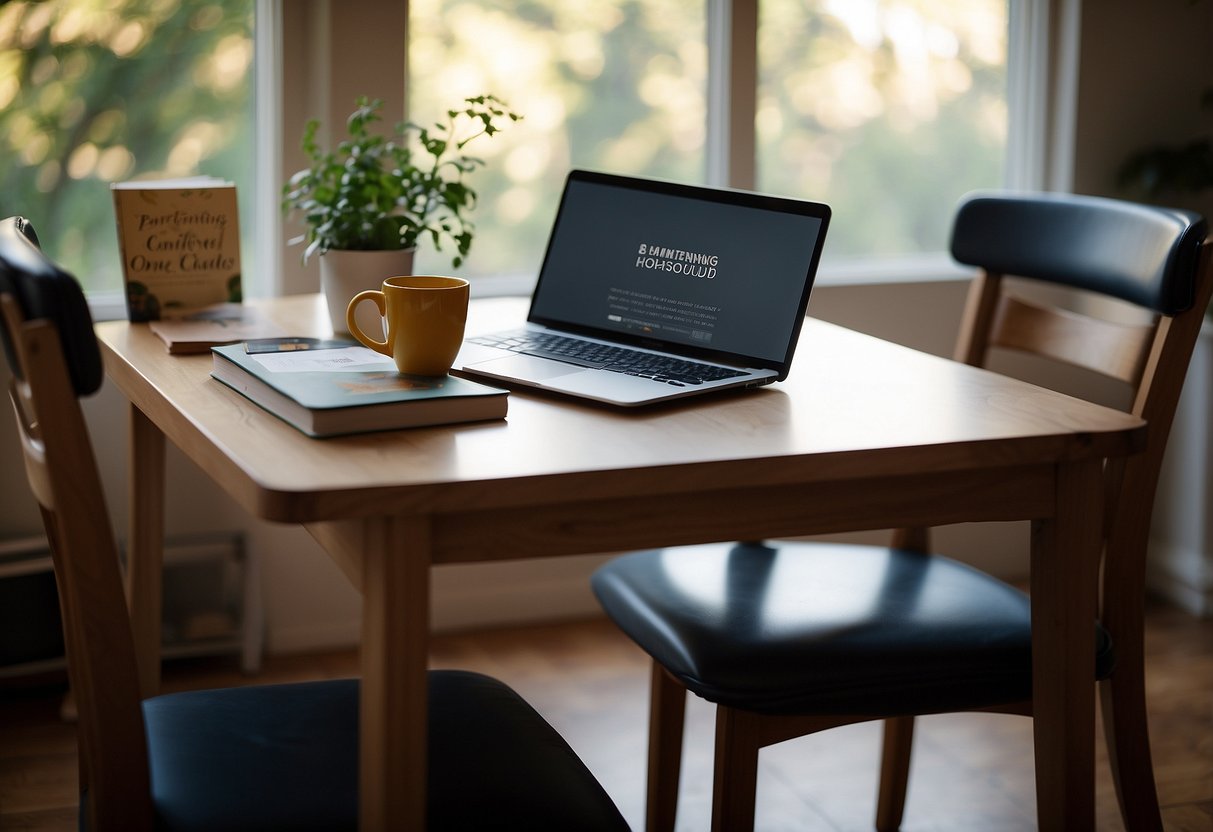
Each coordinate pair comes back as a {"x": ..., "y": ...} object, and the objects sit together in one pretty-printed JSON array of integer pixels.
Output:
[{"x": 652, "y": 290}]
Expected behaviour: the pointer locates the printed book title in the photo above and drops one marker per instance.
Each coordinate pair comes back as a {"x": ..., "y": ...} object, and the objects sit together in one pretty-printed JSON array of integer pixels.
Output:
[{"x": 180, "y": 246}]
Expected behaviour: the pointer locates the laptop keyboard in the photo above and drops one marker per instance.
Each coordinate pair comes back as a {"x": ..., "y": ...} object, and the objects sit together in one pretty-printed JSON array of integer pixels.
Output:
[{"x": 676, "y": 371}]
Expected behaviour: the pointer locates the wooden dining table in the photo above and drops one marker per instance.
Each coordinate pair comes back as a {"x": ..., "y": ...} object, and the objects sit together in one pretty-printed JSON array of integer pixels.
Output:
[{"x": 864, "y": 434}]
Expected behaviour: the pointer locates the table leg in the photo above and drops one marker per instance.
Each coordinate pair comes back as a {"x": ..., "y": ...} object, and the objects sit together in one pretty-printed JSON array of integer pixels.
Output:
[
  {"x": 145, "y": 545},
  {"x": 395, "y": 649},
  {"x": 1065, "y": 571}
]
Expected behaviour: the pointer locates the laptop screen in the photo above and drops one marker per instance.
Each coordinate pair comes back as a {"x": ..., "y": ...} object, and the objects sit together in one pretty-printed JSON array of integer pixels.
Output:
[{"x": 720, "y": 274}]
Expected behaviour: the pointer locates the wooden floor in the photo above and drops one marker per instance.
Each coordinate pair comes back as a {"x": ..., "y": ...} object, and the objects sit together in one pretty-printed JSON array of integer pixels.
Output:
[{"x": 970, "y": 772}]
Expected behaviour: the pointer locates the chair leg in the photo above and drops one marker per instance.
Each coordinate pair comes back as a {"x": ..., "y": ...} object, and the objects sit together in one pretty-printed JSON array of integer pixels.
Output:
[
  {"x": 894, "y": 773},
  {"x": 736, "y": 772},
  {"x": 667, "y": 708},
  {"x": 1123, "y": 702}
]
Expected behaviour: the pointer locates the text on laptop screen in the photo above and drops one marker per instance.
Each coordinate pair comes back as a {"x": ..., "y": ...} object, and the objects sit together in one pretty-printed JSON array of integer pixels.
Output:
[{"x": 719, "y": 275}]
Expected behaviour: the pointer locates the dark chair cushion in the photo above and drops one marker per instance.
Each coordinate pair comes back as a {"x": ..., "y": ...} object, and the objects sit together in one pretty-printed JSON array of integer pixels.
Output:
[
  {"x": 824, "y": 628},
  {"x": 1142, "y": 254},
  {"x": 43, "y": 290},
  {"x": 285, "y": 757}
]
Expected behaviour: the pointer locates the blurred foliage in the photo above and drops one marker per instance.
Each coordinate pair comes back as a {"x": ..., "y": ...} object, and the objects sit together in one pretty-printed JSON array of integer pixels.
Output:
[
  {"x": 889, "y": 110},
  {"x": 617, "y": 86},
  {"x": 1160, "y": 171},
  {"x": 100, "y": 91},
  {"x": 1172, "y": 174}
]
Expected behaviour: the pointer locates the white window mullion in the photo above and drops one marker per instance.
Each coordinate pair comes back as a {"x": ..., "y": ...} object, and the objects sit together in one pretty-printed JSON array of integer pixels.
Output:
[
  {"x": 1042, "y": 89},
  {"x": 1065, "y": 26},
  {"x": 267, "y": 184},
  {"x": 320, "y": 56},
  {"x": 732, "y": 92}
]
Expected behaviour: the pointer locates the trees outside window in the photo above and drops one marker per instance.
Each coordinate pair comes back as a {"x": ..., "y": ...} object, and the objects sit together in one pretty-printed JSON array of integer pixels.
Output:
[
  {"x": 93, "y": 93},
  {"x": 889, "y": 110}
]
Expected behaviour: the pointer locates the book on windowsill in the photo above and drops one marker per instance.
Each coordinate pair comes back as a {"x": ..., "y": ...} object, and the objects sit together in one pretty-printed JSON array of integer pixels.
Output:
[
  {"x": 180, "y": 244},
  {"x": 212, "y": 326},
  {"x": 330, "y": 389}
]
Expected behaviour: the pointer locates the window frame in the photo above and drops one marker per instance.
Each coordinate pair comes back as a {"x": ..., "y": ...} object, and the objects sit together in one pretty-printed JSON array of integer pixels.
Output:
[{"x": 302, "y": 68}]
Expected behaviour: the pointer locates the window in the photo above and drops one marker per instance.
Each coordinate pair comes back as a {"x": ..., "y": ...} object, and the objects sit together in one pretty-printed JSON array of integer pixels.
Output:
[
  {"x": 889, "y": 110},
  {"x": 95, "y": 93},
  {"x": 608, "y": 86}
]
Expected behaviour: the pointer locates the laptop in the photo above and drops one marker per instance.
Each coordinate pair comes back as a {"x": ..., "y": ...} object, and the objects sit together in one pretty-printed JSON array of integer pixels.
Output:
[{"x": 651, "y": 291}]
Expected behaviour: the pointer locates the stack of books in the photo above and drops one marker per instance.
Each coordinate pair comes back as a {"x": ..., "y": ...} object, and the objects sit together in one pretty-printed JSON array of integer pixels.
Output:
[{"x": 331, "y": 389}]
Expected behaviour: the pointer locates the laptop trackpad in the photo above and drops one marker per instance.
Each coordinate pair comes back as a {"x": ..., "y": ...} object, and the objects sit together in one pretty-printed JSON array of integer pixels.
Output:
[{"x": 527, "y": 367}]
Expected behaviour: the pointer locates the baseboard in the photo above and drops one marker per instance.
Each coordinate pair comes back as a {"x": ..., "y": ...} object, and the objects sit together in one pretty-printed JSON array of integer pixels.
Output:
[
  {"x": 525, "y": 593},
  {"x": 333, "y": 635},
  {"x": 469, "y": 597}
]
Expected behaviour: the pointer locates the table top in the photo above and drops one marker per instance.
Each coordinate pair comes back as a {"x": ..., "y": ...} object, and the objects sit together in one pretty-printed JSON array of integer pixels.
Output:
[{"x": 853, "y": 407}]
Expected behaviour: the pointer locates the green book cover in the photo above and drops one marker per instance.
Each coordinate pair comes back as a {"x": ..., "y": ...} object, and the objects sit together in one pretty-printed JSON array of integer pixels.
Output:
[{"x": 327, "y": 392}]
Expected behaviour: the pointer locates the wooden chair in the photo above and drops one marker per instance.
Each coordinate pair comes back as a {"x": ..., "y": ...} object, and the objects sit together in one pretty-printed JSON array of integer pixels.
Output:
[
  {"x": 271, "y": 757},
  {"x": 888, "y": 633}
]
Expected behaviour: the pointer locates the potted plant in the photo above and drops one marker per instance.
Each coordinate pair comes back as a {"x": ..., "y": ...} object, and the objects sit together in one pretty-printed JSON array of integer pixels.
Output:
[
  {"x": 1161, "y": 172},
  {"x": 1160, "y": 169},
  {"x": 369, "y": 202}
]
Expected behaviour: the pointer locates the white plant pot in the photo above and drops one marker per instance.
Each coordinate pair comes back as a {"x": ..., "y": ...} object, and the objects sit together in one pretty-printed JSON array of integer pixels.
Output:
[{"x": 344, "y": 274}]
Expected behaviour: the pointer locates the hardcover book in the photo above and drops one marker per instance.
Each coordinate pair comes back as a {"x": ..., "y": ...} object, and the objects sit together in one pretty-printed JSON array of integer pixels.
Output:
[
  {"x": 342, "y": 390},
  {"x": 180, "y": 245},
  {"x": 211, "y": 326}
]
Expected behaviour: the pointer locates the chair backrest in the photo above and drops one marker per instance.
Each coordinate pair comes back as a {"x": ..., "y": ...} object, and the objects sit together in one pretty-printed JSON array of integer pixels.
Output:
[
  {"x": 53, "y": 354},
  {"x": 1155, "y": 258}
]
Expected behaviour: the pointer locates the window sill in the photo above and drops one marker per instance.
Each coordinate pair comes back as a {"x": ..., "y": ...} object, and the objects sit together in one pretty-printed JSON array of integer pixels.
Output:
[
  {"x": 857, "y": 271},
  {"x": 869, "y": 271},
  {"x": 106, "y": 306},
  {"x": 927, "y": 268}
]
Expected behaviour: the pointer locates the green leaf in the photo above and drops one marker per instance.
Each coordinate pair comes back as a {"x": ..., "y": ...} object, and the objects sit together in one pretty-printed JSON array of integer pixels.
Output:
[{"x": 385, "y": 190}]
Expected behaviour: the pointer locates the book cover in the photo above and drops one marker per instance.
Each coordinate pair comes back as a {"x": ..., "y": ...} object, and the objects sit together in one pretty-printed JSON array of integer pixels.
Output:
[
  {"x": 343, "y": 390},
  {"x": 180, "y": 245}
]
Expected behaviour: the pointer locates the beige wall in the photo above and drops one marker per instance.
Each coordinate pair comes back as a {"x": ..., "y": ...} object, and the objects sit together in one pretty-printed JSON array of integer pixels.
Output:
[{"x": 1145, "y": 65}]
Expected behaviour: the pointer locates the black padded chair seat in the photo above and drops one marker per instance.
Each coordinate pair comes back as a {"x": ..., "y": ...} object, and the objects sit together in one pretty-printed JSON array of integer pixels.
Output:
[
  {"x": 827, "y": 628},
  {"x": 285, "y": 757}
]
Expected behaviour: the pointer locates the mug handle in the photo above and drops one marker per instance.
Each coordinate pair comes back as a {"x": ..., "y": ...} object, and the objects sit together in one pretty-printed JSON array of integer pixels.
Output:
[{"x": 352, "y": 323}]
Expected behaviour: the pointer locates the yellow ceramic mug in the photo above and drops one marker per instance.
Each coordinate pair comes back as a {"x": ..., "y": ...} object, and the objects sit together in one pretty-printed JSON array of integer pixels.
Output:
[{"x": 424, "y": 318}]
